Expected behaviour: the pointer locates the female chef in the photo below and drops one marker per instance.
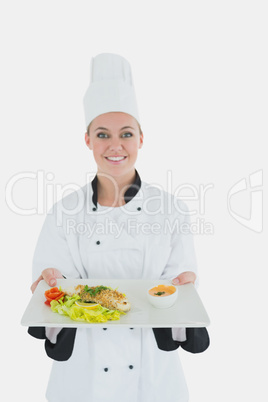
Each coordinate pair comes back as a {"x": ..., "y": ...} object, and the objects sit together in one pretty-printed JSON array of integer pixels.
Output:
[{"x": 125, "y": 236}]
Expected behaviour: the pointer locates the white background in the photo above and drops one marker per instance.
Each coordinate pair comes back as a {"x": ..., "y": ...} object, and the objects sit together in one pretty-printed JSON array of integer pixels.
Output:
[{"x": 200, "y": 72}]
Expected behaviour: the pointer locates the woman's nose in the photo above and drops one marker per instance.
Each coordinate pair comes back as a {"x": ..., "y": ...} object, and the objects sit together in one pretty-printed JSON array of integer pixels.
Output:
[{"x": 115, "y": 144}]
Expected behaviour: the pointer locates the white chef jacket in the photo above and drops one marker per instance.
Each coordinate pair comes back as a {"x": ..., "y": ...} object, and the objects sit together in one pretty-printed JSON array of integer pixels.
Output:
[{"x": 145, "y": 238}]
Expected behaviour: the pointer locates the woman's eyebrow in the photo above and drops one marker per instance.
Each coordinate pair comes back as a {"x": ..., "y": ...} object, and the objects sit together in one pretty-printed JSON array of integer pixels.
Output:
[
  {"x": 101, "y": 128},
  {"x": 123, "y": 128}
]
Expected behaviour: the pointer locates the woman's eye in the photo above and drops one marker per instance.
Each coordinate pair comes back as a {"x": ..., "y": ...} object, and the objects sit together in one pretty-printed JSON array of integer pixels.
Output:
[
  {"x": 127, "y": 135},
  {"x": 102, "y": 135}
]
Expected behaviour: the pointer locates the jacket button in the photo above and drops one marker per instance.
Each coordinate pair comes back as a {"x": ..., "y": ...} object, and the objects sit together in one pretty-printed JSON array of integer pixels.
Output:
[
  {"x": 94, "y": 209},
  {"x": 104, "y": 329},
  {"x": 98, "y": 242},
  {"x": 106, "y": 369},
  {"x": 131, "y": 367},
  {"x": 131, "y": 328},
  {"x": 139, "y": 209}
]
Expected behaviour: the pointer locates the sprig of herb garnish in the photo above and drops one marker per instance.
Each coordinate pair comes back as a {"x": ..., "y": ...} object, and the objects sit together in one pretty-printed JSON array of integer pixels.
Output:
[
  {"x": 92, "y": 291},
  {"x": 159, "y": 293}
]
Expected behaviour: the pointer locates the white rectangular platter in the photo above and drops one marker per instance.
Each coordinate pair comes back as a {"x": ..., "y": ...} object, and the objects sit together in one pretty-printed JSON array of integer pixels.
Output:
[{"x": 188, "y": 310}]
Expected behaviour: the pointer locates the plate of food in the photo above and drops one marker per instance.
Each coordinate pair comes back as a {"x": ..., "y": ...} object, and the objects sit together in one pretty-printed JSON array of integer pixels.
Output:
[{"x": 117, "y": 302}]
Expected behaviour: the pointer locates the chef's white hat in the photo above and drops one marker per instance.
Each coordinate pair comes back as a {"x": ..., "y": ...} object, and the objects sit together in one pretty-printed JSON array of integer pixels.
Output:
[{"x": 111, "y": 88}]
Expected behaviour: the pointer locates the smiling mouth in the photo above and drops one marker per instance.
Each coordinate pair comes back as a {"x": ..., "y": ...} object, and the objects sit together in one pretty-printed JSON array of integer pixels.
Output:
[{"x": 115, "y": 158}]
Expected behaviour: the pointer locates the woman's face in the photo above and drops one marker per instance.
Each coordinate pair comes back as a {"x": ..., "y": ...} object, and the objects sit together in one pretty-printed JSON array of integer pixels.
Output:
[{"x": 115, "y": 139}]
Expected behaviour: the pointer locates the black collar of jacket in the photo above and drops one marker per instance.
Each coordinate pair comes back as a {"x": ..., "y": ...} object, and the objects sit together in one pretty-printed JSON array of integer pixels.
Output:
[{"x": 129, "y": 194}]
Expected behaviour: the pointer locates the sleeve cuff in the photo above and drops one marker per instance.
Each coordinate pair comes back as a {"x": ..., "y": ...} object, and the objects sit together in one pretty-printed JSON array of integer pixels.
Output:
[
  {"x": 59, "y": 343},
  {"x": 197, "y": 340}
]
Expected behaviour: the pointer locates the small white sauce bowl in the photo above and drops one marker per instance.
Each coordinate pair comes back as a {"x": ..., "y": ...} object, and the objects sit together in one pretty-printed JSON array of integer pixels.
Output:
[{"x": 164, "y": 301}]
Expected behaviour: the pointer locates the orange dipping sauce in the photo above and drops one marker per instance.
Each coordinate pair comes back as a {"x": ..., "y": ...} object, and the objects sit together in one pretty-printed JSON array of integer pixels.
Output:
[{"x": 162, "y": 291}]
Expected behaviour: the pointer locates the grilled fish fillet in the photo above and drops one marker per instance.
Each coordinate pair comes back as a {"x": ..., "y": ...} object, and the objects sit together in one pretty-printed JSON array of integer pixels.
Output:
[{"x": 108, "y": 298}]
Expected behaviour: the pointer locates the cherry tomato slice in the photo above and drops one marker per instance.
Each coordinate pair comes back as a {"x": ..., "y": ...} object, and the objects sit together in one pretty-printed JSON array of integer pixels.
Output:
[{"x": 53, "y": 294}]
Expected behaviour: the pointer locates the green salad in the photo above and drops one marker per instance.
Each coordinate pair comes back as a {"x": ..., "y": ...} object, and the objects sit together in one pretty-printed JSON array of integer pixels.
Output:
[{"x": 67, "y": 306}]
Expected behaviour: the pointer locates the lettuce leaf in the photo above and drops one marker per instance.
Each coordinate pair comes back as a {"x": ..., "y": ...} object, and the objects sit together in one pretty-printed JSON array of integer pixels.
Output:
[{"x": 67, "y": 307}]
